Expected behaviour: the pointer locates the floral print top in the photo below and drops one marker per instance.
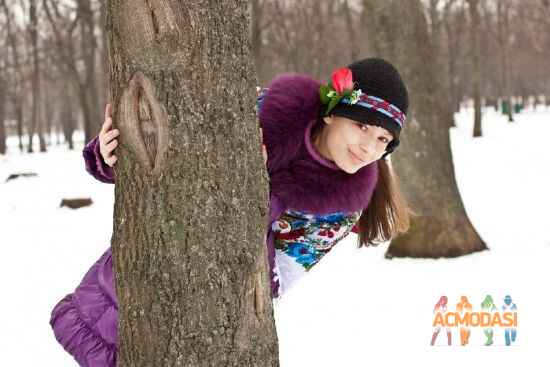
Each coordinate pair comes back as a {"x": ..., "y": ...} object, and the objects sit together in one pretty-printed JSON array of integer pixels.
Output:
[{"x": 302, "y": 239}]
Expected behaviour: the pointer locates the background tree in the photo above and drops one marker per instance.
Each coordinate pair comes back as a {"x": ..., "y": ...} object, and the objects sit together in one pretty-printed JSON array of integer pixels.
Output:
[
  {"x": 503, "y": 39},
  {"x": 473, "y": 7},
  {"x": 3, "y": 95},
  {"x": 307, "y": 36},
  {"x": 442, "y": 227},
  {"x": 454, "y": 25},
  {"x": 36, "y": 121},
  {"x": 190, "y": 199},
  {"x": 78, "y": 63},
  {"x": 14, "y": 71}
]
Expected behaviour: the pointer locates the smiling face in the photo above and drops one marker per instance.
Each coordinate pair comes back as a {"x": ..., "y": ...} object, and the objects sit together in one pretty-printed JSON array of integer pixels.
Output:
[{"x": 349, "y": 144}]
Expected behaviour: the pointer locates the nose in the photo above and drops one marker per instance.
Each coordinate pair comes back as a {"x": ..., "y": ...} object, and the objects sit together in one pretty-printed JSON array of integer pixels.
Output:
[{"x": 367, "y": 148}]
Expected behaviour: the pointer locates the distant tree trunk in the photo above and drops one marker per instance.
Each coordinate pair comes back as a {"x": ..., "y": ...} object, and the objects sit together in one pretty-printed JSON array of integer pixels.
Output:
[
  {"x": 19, "y": 121},
  {"x": 49, "y": 109},
  {"x": 3, "y": 92},
  {"x": 36, "y": 123},
  {"x": 68, "y": 117},
  {"x": 103, "y": 75},
  {"x": 476, "y": 67},
  {"x": 503, "y": 34},
  {"x": 15, "y": 91},
  {"x": 350, "y": 30},
  {"x": 88, "y": 49},
  {"x": 424, "y": 159},
  {"x": 35, "y": 76},
  {"x": 454, "y": 26},
  {"x": 257, "y": 13},
  {"x": 86, "y": 88},
  {"x": 449, "y": 24},
  {"x": 190, "y": 211}
]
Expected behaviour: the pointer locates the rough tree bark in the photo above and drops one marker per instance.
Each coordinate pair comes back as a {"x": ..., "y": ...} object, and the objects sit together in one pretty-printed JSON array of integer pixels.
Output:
[
  {"x": 476, "y": 65},
  {"x": 190, "y": 212},
  {"x": 423, "y": 160}
]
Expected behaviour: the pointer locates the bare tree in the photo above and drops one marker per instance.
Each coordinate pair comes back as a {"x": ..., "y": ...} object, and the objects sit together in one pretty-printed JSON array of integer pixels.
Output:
[
  {"x": 476, "y": 66},
  {"x": 15, "y": 74},
  {"x": 36, "y": 121},
  {"x": 89, "y": 50},
  {"x": 84, "y": 81},
  {"x": 503, "y": 38},
  {"x": 67, "y": 115},
  {"x": 453, "y": 22},
  {"x": 189, "y": 257},
  {"x": 351, "y": 30},
  {"x": 3, "y": 95},
  {"x": 424, "y": 159}
]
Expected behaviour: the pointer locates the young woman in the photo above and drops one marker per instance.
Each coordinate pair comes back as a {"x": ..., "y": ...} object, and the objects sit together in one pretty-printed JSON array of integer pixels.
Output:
[{"x": 325, "y": 148}]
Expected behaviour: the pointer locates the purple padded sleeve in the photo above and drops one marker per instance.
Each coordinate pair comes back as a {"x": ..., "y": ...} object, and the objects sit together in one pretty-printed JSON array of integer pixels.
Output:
[{"x": 95, "y": 165}]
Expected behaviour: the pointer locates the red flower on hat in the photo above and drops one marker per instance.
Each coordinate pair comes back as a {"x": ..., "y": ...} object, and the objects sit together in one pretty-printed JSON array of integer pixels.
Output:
[{"x": 342, "y": 80}]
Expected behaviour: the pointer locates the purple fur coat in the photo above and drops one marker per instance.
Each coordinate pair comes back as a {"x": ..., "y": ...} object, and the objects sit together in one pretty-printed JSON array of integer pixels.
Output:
[{"x": 85, "y": 322}]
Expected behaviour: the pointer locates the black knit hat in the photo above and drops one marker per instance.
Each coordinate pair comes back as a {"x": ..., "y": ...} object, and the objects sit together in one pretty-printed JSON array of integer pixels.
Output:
[{"x": 376, "y": 77}]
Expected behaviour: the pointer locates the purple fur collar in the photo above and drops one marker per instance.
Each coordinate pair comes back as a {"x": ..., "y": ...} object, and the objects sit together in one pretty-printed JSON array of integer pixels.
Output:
[{"x": 299, "y": 176}]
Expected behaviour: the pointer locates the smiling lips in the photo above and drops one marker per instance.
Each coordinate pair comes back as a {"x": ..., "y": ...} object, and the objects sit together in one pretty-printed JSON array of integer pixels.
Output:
[{"x": 355, "y": 157}]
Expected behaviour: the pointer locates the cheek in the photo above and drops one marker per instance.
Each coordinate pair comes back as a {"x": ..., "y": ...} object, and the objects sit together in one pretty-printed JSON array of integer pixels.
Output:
[{"x": 338, "y": 143}]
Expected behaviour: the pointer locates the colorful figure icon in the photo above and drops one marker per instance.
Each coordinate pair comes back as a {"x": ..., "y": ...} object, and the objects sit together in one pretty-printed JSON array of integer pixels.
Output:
[
  {"x": 462, "y": 307},
  {"x": 441, "y": 306},
  {"x": 509, "y": 333},
  {"x": 488, "y": 306}
]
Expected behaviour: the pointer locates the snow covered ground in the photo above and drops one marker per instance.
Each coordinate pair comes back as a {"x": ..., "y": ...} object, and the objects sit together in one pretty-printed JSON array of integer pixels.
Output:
[{"x": 355, "y": 308}]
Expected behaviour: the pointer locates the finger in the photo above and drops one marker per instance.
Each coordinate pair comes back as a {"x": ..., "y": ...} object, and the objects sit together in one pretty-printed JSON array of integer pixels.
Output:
[
  {"x": 264, "y": 153},
  {"x": 106, "y": 125},
  {"x": 109, "y": 135},
  {"x": 111, "y": 160},
  {"x": 258, "y": 89},
  {"x": 111, "y": 146},
  {"x": 108, "y": 110}
]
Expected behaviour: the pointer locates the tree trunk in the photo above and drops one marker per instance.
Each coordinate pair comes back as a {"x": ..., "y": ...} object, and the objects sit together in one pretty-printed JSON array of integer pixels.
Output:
[
  {"x": 257, "y": 12},
  {"x": 16, "y": 92},
  {"x": 88, "y": 50},
  {"x": 476, "y": 67},
  {"x": 33, "y": 24},
  {"x": 18, "y": 106},
  {"x": 503, "y": 40},
  {"x": 189, "y": 256},
  {"x": 3, "y": 93},
  {"x": 423, "y": 160},
  {"x": 454, "y": 25},
  {"x": 350, "y": 31},
  {"x": 68, "y": 117}
]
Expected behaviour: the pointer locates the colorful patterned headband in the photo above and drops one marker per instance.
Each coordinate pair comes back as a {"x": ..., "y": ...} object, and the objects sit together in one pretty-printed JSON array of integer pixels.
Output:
[{"x": 341, "y": 90}]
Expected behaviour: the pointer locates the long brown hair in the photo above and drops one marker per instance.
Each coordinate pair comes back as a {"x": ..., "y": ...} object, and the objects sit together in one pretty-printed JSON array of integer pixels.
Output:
[{"x": 388, "y": 213}]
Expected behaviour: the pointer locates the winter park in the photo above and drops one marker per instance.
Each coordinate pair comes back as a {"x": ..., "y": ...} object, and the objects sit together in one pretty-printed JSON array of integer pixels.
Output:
[{"x": 274, "y": 182}]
